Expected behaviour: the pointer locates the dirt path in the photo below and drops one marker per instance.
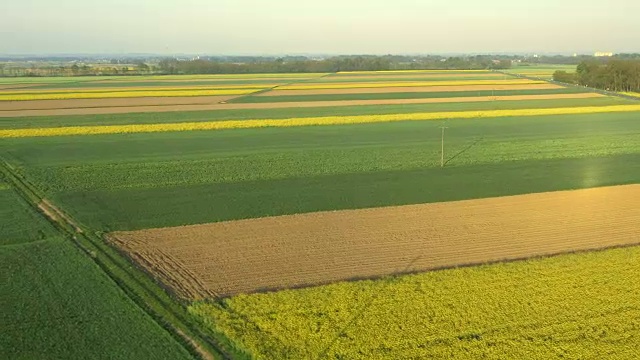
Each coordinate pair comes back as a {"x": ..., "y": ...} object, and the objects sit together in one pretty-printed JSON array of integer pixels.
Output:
[
  {"x": 279, "y": 105},
  {"x": 307, "y": 249}
]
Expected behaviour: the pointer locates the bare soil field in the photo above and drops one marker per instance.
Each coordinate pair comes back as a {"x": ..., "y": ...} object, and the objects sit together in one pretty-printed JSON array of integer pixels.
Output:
[
  {"x": 114, "y": 102},
  {"x": 408, "y": 89},
  {"x": 279, "y": 105},
  {"x": 227, "y": 258},
  {"x": 16, "y": 86}
]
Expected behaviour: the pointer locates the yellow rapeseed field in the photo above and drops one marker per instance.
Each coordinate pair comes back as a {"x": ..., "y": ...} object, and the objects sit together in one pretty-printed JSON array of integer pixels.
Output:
[
  {"x": 306, "y": 121},
  {"x": 355, "y": 85},
  {"x": 124, "y": 94},
  {"x": 580, "y": 306},
  {"x": 634, "y": 94}
]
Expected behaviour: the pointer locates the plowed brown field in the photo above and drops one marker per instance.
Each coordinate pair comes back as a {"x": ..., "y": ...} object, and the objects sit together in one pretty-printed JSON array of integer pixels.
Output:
[
  {"x": 276, "y": 105},
  {"x": 409, "y": 89},
  {"x": 105, "y": 103},
  {"x": 227, "y": 258}
]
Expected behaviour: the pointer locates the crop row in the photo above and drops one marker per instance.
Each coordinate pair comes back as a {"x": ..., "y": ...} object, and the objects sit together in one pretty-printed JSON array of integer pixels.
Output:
[{"x": 308, "y": 121}]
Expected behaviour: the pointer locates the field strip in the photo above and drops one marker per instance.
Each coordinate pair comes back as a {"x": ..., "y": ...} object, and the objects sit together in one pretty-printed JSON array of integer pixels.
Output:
[
  {"x": 413, "y": 76},
  {"x": 306, "y": 121},
  {"x": 444, "y": 71},
  {"x": 125, "y": 94},
  {"x": 212, "y": 103},
  {"x": 308, "y": 249},
  {"x": 357, "y": 85},
  {"x": 257, "y": 76},
  {"x": 81, "y": 104},
  {"x": 142, "y": 81},
  {"x": 454, "y": 88},
  {"x": 17, "y": 86},
  {"x": 138, "y": 88}
]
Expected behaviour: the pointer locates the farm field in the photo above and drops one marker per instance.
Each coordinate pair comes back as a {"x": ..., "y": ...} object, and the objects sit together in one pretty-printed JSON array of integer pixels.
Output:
[
  {"x": 581, "y": 306},
  {"x": 321, "y": 156},
  {"x": 341, "y": 245},
  {"x": 542, "y": 71},
  {"x": 41, "y": 277}
]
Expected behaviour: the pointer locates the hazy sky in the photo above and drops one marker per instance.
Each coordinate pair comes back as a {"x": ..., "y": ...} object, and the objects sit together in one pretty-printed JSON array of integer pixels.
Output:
[{"x": 318, "y": 26}]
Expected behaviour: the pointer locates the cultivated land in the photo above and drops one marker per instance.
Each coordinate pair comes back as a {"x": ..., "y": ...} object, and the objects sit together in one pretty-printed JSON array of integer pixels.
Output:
[
  {"x": 264, "y": 154},
  {"x": 582, "y": 306},
  {"x": 57, "y": 303},
  {"x": 542, "y": 71},
  {"x": 316, "y": 248}
]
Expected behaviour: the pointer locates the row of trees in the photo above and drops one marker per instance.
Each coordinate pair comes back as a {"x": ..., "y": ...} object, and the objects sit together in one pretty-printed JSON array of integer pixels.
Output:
[
  {"x": 35, "y": 70},
  {"x": 333, "y": 64},
  {"x": 615, "y": 75},
  {"x": 250, "y": 64}
]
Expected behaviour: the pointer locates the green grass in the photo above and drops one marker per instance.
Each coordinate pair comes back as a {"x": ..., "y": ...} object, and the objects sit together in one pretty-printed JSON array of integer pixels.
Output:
[
  {"x": 391, "y": 78},
  {"x": 580, "y": 306},
  {"x": 241, "y": 114},
  {"x": 155, "y": 180},
  {"x": 417, "y": 72},
  {"x": 541, "y": 68},
  {"x": 19, "y": 223},
  {"x": 405, "y": 95},
  {"x": 57, "y": 304}
]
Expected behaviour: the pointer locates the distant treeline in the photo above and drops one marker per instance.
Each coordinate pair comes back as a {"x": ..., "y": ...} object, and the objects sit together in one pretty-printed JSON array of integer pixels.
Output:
[
  {"x": 614, "y": 75},
  {"x": 269, "y": 64},
  {"x": 334, "y": 64},
  {"x": 248, "y": 65}
]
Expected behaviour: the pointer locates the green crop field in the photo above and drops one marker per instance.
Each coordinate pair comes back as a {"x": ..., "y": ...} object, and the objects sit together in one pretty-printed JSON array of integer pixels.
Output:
[
  {"x": 541, "y": 70},
  {"x": 573, "y": 306},
  {"x": 20, "y": 223},
  {"x": 148, "y": 178},
  {"x": 56, "y": 303}
]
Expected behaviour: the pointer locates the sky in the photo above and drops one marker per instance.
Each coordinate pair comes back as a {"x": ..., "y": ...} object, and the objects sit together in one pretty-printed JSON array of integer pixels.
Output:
[{"x": 277, "y": 27}]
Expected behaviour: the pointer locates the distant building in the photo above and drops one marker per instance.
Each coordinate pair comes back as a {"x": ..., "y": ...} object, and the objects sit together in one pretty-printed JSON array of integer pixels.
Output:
[{"x": 603, "y": 54}]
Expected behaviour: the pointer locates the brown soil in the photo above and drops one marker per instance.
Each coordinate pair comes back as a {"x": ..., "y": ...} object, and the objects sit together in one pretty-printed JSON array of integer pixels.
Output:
[
  {"x": 227, "y": 258},
  {"x": 116, "y": 102},
  {"x": 278, "y": 105},
  {"x": 16, "y": 86},
  {"x": 409, "y": 89},
  {"x": 55, "y": 214}
]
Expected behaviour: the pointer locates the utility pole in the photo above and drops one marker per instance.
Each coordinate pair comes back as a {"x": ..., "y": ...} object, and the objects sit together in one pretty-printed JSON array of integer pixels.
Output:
[{"x": 442, "y": 149}]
